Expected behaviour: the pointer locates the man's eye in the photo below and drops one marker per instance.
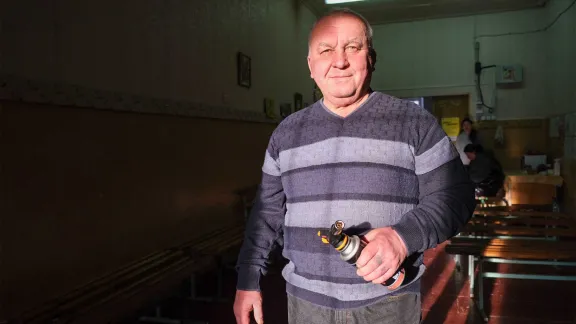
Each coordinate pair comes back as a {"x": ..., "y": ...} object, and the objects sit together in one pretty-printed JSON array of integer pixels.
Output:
[
  {"x": 352, "y": 49},
  {"x": 325, "y": 51}
]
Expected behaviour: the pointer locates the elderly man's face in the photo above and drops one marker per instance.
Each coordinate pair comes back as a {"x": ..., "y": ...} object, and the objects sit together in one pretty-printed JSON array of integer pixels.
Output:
[{"x": 338, "y": 59}]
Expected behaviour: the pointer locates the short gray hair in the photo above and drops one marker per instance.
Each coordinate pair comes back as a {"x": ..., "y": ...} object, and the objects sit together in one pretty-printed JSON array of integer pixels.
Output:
[{"x": 338, "y": 12}]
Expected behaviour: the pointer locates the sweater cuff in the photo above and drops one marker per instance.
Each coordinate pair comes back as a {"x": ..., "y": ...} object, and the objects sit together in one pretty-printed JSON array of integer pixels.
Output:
[
  {"x": 410, "y": 234},
  {"x": 248, "y": 278}
]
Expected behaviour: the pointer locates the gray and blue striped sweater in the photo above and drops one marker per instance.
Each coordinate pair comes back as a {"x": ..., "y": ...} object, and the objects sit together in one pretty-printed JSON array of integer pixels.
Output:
[{"x": 388, "y": 163}]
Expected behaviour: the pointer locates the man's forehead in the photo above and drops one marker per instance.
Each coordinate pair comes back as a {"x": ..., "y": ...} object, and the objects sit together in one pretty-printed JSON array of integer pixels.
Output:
[{"x": 350, "y": 27}]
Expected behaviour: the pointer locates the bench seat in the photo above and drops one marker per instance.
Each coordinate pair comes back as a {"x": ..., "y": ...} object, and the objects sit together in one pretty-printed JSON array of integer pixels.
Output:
[
  {"x": 142, "y": 283},
  {"x": 513, "y": 249}
]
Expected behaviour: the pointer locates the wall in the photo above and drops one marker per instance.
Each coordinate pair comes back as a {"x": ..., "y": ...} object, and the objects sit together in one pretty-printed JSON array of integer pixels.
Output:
[
  {"x": 89, "y": 185},
  {"x": 436, "y": 57},
  {"x": 86, "y": 191},
  {"x": 561, "y": 53},
  {"x": 181, "y": 50},
  {"x": 568, "y": 142},
  {"x": 519, "y": 136},
  {"x": 561, "y": 50},
  {"x": 424, "y": 58}
]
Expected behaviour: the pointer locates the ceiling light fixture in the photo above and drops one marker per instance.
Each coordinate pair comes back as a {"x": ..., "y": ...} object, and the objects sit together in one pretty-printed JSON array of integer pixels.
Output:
[{"x": 341, "y": 1}]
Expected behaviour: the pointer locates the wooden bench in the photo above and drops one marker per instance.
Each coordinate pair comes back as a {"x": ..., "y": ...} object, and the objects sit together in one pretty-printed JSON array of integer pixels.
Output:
[
  {"x": 520, "y": 213},
  {"x": 490, "y": 202},
  {"x": 523, "y": 221},
  {"x": 517, "y": 249},
  {"x": 515, "y": 237},
  {"x": 138, "y": 285},
  {"x": 517, "y": 231},
  {"x": 527, "y": 252},
  {"x": 516, "y": 208},
  {"x": 223, "y": 246},
  {"x": 537, "y": 224},
  {"x": 216, "y": 242}
]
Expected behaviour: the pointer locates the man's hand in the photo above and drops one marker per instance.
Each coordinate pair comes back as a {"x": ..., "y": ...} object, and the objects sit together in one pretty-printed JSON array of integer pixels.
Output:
[
  {"x": 382, "y": 256},
  {"x": 245, "y": 302}
]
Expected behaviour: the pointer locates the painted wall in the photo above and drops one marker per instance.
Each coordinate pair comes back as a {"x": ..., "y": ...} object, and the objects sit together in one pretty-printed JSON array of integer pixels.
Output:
[
  {"x": 181, "y": 50},
  {"x": 562, "y": 88},
  {"x": 436, "y": 57},
  {"x": 87, "y": 190},
  {"x": 561, "y": 45}
]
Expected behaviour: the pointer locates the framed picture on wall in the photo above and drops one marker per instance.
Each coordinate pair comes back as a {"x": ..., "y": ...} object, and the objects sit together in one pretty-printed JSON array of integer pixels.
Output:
[
  {"x": 317, "y": 94},
  {"x": 285, "y": 110},
  {"x": 244, "y": 70},
  {"x": 298, "y": 101},
  {"x": 269, "y": 108}
]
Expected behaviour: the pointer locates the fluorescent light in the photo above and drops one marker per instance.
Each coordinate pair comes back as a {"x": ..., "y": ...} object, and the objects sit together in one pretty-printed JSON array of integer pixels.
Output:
[{"x": 341, "y": 1}]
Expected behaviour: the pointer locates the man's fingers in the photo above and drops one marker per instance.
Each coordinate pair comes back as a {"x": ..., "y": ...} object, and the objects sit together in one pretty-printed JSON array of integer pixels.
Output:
[
  {"x": 246, "y": 302},
  {"x": 370, "y": 267},
  {"x": 370, "y": 236},
  {"x": 366, "y": 255},
  {"x": 243, "y": 317},
  {"x": 387, "y": 275},
  {"x": 376, "y": 273},
  {"x": 258, "y": 314}
]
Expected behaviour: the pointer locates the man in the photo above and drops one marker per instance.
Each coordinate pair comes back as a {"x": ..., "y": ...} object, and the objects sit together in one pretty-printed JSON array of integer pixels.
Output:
[
  {"x": 380, "y": 164},
  {"x": 484, "y": 170}
]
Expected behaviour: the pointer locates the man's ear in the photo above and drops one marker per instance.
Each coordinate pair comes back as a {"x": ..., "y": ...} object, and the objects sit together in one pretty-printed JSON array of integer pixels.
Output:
[
  {"x": 372, "y": 59},
  {"x": 310, "y": 67}
]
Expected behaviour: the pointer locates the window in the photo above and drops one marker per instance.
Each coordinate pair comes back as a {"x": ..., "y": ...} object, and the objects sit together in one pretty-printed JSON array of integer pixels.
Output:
[{"x": 418, "y": 101}]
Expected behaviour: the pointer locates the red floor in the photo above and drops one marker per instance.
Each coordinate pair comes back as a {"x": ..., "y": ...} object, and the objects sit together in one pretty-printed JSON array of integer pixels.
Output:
[
  {"x": 445, "y": 298},
  {"x": 446, "y": 295}
]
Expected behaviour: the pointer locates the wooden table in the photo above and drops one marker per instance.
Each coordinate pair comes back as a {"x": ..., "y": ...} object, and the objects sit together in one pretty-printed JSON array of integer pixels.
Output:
[
  {"x": 532, "y": 189},
  {"x": 514, "y": 237}
]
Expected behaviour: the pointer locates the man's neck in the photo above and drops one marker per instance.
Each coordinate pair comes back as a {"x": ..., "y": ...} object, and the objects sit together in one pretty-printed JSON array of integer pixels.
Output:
[{"x": 345, "y": 110}]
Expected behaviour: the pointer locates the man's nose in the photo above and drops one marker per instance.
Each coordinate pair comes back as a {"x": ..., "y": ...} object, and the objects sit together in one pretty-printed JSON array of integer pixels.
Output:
[{"x": 340, "y": 60}]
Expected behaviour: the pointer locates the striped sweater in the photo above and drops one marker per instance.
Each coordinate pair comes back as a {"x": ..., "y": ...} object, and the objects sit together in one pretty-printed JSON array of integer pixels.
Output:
[{"x": 388, "y": 163}]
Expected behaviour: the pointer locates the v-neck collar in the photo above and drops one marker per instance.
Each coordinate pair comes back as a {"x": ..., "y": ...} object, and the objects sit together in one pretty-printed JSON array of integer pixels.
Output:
[{"x": 355, "y": 112}]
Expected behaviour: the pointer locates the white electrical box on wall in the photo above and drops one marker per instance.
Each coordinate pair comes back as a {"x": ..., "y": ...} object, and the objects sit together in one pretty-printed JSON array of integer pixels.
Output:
[{"x": 508, "y": 74}]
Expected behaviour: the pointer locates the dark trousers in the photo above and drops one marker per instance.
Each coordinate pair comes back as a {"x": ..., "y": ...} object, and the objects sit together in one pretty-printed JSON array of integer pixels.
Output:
[{"x": 399, "y": 309}]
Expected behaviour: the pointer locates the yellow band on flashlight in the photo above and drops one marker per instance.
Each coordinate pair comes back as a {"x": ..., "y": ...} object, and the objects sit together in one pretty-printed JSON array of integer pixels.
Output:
[{"x": 343, "y": 244}]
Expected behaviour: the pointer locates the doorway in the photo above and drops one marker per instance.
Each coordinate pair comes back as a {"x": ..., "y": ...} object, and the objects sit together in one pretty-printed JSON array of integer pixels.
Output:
[
  {"x": 449, "y": 111},
  {"x": 450, "y": 106}
]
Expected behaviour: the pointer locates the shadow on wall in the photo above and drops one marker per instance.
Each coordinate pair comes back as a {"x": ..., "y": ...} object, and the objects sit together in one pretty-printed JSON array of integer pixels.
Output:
[{"x": 90, "y": 190}]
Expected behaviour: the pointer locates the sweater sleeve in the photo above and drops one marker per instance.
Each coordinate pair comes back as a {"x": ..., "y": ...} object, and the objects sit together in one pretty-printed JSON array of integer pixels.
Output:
[
  {"x": 264, "y": 226},
  {"x": 446, "y": 194}
]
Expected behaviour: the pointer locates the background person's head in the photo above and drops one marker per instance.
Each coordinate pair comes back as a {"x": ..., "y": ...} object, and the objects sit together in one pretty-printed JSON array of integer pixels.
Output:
[
  {"x": 341, "y": 57},
  {"x": 470, "y": 150},
  {"x": 466, "y": 126}
]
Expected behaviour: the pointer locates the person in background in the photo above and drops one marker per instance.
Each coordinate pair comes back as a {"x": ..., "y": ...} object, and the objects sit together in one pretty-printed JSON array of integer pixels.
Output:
[
  {"x": 484, "y": 170},
  {"x": 381, "y": 164},
  {"x": 468, "y": 135}
]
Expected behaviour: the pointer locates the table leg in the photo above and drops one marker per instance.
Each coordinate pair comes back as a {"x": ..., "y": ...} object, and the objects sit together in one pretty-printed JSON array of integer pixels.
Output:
[{"x": 471, "y": 269}]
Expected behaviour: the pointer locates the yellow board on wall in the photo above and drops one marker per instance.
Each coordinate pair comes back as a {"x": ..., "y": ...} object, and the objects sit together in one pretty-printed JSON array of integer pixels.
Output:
[{"x": 451, "y": 125}]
